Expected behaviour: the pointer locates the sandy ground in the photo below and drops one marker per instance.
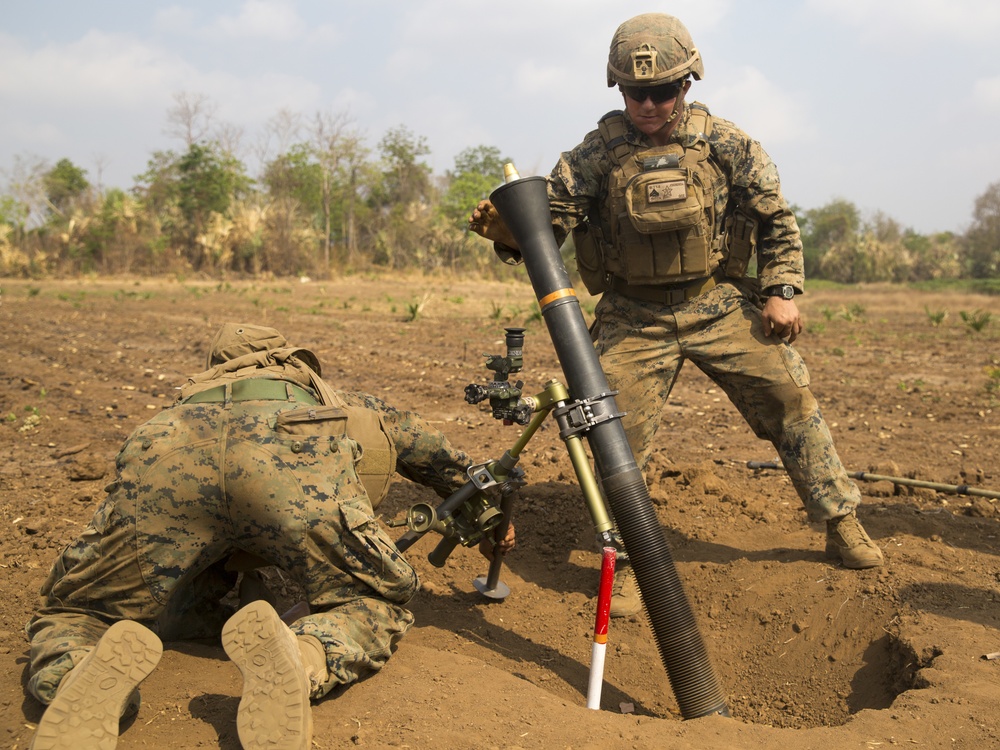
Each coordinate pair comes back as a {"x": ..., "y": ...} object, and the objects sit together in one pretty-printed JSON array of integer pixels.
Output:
[{"x": 808, "y": 654}]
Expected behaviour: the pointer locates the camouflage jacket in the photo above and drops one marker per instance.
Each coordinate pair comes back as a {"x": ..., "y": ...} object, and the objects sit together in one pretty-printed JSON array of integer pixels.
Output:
[
  {"x": 421, "y": 453},
  {"x": 577, "y": 186}
]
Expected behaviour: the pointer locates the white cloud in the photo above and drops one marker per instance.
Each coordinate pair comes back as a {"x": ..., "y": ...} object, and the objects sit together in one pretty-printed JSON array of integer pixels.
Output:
[
  {"x": 116, "y": 72},
  {"x": 103, "y": 88},
  {"x": 263, "y": 19},
  {"x": 769, "y": 113},
  {"x": 533, "y": 79},
  {"x": 99, "y": 69},
  {"x": 253, "y": 100},
  {"x": 174, "y": 19},
  {"x": 35, "y": 134},
  {"x": 888, "y": 21},
  {"x": 986, "y": 94},
  {"x": 272, "y": 21}
]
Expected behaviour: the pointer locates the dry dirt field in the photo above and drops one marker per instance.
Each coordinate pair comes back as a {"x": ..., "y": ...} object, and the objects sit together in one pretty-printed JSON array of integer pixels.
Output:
[{"x": 809, "y": 654}]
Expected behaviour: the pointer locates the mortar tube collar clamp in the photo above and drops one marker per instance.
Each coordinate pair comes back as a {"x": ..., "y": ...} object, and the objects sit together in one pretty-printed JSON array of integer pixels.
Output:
[{"x": 578, "y": 417}]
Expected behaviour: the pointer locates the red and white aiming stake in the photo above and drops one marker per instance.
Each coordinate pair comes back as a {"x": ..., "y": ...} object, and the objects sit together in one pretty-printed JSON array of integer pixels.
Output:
[{"x": 601, "y": 629}]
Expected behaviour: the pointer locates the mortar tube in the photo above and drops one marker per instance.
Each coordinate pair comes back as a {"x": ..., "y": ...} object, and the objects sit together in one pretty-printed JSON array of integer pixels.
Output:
[{"x": 524, "y": 207}]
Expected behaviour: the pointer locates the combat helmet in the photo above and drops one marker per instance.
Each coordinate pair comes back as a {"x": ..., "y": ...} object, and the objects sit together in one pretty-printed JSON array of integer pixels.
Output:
[{"x": 652, "y": 49}]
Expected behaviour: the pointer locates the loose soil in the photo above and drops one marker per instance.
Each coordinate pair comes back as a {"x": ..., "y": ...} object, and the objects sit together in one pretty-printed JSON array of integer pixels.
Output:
[{"x": 808, "y": 654}]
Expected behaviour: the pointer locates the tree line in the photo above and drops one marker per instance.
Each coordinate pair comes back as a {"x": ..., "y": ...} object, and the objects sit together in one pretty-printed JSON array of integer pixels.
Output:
[{"x": 323, "y": 203}]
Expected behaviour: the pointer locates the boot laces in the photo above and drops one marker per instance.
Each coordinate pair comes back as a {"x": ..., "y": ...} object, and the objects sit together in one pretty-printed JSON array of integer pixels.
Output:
[{"x": 850, "y": 531}]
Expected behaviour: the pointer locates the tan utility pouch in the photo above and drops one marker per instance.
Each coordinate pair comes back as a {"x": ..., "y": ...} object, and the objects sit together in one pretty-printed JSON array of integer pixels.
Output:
[
  {"x": 664, "y": 200},
  {"x": 741, "y": 243},
  {"x": 667, "y": 237},
  {"x": 589, "y": 259},
  {"x": 312, "y": 420}
]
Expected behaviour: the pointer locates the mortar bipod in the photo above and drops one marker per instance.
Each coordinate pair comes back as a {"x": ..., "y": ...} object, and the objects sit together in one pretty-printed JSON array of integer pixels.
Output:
[{"x": 469, "y": 514}]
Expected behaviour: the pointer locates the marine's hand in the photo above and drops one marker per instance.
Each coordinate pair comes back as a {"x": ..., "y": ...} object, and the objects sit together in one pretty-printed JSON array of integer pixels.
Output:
[
  {"x": 505, "y": 545},
  {"x": 782, "y": 318},
  {"x": 486, "y": 222}
]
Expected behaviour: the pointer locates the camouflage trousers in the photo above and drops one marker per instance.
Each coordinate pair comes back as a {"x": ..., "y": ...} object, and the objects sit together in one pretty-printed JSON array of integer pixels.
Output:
[
  {"x": 642, "y": 346},
  {"x": 195, "y": 484}
]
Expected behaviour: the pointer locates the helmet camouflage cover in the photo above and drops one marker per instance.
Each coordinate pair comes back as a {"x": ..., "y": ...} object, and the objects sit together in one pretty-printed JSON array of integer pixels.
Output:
[{"x": 651, "y": 49}]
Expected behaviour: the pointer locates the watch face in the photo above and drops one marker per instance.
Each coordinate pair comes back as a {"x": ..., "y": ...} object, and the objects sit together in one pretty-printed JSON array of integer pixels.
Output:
[{"x": 785, "y": 291}]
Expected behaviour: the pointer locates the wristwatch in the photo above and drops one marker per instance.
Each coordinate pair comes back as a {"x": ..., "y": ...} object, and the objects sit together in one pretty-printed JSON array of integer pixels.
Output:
[{"x": 785, "y": 291}]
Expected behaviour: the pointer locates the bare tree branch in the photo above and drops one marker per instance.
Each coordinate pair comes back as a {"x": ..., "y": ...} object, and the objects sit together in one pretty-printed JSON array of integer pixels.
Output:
[{"x": 190, "y": 119}]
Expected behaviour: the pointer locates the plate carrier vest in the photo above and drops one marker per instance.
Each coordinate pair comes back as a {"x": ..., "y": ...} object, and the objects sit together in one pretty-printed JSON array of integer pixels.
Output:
[{"x": 656, "y": 224}]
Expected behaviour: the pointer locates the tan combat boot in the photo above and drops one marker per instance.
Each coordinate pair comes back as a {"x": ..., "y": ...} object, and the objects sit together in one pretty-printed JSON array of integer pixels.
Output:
[
  {"x": 274, "y": 711},
  {"x": 625, "y": 600},
  {"x": 846, "y": 538},
  {"x": 97, "y": 692},
  {"x": 313, "y": 660}
]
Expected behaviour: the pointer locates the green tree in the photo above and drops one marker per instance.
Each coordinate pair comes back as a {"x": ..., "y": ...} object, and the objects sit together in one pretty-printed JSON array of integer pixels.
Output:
[
  {"x": 865, "y": 258},
  {"x": 294, "y": 184},
  {"x": 483, "y": 160},
  {"x": 337, "y": 148},
  {"x": 157, "y": 186},
  {"x": 400, "y": 197},
  {"x": 933, "y": 257},
  {"x": 981, "y": 243},
  {"x": 208, "y": 181},
  {"x": 405, "y": 180},
  {"x": 113, "y": 237},
  {"x": 13, "y": 213},
  {"x": 65, "y": 185},
  {"x": 297, "y": 176},
  {"x": 189, "y": 194},
  {"x": 835, "y": 223},
  {"x": 478, "y": 171},
  {"x": 884, "y": 228}
]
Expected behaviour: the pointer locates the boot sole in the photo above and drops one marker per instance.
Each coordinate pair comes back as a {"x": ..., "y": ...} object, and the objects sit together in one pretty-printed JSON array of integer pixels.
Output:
[
  {"x": 274, "y": 712},
  {"x": 85, "y": 714}
]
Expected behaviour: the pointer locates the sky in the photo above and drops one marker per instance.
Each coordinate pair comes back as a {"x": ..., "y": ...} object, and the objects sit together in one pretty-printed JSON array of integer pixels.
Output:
[{"x": 893, "y": 105}]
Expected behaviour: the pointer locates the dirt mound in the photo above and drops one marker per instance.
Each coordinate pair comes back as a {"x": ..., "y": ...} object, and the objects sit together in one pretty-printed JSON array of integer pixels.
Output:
[{"x": 808, "y": 654}]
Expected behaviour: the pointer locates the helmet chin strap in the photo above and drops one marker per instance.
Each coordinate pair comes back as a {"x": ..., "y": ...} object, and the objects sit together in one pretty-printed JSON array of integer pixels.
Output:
[
  {"x": 671, "y": 122},
  {"x": 678, "y": 107}
]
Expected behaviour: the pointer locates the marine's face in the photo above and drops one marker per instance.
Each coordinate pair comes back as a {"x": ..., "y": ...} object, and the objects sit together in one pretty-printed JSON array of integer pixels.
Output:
[{"x": 652, "y": 117}]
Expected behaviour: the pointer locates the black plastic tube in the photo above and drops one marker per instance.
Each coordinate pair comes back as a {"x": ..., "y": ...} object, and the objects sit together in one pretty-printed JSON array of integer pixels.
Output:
[{"x": 523, "y": 205}]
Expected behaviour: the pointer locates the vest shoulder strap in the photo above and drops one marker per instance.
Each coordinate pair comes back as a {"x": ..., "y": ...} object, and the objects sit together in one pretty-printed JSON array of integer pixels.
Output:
[
  {"x": 612, "y": 129},
  {"x": 699, "y": 129},
  {"x": 699, "y": 123}
]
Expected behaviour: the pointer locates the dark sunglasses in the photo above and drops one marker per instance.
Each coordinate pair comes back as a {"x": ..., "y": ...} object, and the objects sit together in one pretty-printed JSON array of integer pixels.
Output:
[{"x": 659, "y": 94}]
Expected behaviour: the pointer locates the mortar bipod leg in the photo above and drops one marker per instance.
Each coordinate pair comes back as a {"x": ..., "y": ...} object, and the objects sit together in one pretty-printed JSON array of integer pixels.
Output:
[{"x": 490, "y": 585}]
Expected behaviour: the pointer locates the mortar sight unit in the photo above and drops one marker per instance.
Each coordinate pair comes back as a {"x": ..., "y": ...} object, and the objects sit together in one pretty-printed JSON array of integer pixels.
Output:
[{"x": 505, "y": 398}]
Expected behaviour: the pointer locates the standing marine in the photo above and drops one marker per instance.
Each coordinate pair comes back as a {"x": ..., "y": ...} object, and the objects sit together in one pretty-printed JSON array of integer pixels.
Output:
[{"x": 667, "y": 204}]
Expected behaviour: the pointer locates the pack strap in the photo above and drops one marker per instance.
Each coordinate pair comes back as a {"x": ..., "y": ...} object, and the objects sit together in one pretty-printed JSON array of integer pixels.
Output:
[
  {"x": 254, "y": 389},
  {"x": 612, "y": 129}
]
